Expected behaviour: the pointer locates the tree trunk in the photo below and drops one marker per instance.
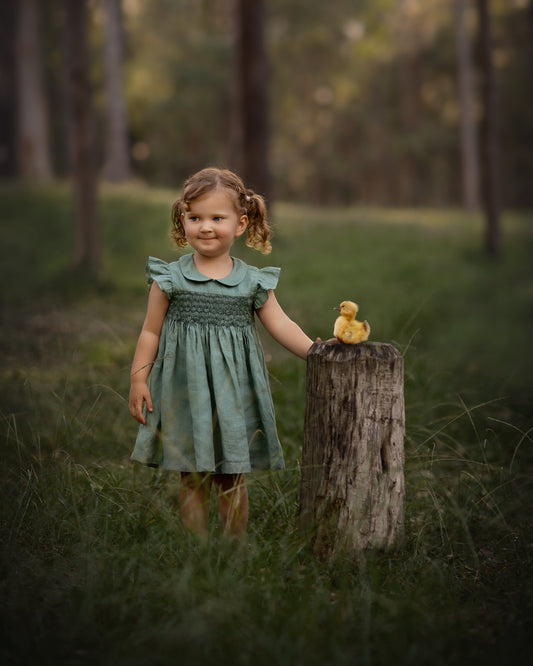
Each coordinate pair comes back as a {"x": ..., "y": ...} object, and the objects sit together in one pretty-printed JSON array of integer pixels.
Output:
[
  {"x": 8, "y": 18},
  {"x": 87, "y": 253},
  {"x": 489, "y": 135},
  {"x": 352, "y": 486},
  {"x": 253, "y": 97},
  {"x": 117, "y": 162},
  {"x": 469, "y": 148},
  {"x": 235, "y": 116},
  {"x": 33, "y": 137},
  {"x": 409, "y": 176}
]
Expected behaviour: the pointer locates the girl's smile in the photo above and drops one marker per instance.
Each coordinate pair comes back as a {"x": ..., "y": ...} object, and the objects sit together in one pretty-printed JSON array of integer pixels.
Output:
[{"x": 212, "y": 223}]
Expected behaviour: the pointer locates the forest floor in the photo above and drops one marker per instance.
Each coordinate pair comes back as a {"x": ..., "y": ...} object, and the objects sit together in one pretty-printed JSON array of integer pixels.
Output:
[{"x": 96, "y": 566}]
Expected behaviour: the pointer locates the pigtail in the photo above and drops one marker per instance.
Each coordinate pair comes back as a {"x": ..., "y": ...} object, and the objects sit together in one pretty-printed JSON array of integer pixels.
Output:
[
  {"x": 259, "y": 230},
  {"x": 178, "y": 232}
]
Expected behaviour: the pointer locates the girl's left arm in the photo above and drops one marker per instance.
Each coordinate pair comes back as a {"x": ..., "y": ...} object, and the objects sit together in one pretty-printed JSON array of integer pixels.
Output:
[{"x": 282, "y": 328}]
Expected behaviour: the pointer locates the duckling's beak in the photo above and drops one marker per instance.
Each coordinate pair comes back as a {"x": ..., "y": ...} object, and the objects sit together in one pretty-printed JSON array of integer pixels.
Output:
[{"x": 338, "y": 309}]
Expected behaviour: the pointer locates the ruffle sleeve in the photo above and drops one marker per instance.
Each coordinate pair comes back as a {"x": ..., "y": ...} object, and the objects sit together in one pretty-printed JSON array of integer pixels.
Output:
[
  {"x": 267, "y": 279},
  {"x": 159, "y": 270}
]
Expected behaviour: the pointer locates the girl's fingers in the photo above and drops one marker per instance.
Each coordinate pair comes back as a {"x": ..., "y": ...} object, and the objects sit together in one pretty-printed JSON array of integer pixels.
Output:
[
  {"x": 149, "y": 404},
  {"x": 136, "y": 408},
  {"x": 138, "y": 397},
  {"x": 135, "y": 413},
  {"x": 139, "y": 416}
]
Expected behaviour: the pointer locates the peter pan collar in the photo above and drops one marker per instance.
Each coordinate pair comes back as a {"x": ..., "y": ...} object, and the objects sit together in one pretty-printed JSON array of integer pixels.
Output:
[{"x": 189, "y": 270}]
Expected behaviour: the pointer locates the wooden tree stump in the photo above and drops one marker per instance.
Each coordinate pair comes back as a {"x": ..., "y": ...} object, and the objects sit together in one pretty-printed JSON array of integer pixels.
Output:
[{"x": 352, "y": 491}]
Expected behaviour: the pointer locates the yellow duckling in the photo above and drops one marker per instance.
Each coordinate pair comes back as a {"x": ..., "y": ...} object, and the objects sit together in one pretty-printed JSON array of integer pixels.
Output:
[{"x": 347, "y": 329}]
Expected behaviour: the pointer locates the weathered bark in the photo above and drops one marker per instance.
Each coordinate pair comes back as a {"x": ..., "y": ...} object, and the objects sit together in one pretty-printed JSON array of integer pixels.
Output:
[
  {"x": 34, "y": 161},
  {"x": 117, "y": 162},
  {"x": 352, "y": 485}
]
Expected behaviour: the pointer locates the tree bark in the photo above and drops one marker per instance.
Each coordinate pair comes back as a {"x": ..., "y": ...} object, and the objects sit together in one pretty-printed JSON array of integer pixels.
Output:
[
  {"x": 253, "y": 97},
  {"x": 87, "y": 252},
  {"x": 490, "y": 182},
  {"x": 469, "y": 148},
  {"x": 33, "y": 137},
  {"x": 352, "y": 486},
  {"x": 117, "y": 162}
]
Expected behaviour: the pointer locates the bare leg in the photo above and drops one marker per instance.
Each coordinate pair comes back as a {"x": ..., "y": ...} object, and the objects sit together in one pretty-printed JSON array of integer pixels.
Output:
[
  {"x": 194, "y": 502},
  {"x": 232, "y": 503}
]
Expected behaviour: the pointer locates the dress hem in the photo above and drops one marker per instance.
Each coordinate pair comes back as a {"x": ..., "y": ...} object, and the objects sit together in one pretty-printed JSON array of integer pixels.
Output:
[{"x": 227, "y": 468}]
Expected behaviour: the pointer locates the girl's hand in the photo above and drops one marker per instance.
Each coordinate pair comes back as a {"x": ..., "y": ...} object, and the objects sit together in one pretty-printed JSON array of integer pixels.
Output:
[{"x": 139, "y": 394}]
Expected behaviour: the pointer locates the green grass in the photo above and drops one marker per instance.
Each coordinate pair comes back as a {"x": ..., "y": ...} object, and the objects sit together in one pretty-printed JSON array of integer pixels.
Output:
[{"x": 96, "y": 567}]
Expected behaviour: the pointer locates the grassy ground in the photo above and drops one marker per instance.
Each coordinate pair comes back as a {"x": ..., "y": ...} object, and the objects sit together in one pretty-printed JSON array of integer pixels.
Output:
[{"x": 96, "y": 567}]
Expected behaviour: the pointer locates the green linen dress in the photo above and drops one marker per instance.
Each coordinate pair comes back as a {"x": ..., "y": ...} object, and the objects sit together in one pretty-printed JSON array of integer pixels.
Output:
[{"x": 213, "y": 410}]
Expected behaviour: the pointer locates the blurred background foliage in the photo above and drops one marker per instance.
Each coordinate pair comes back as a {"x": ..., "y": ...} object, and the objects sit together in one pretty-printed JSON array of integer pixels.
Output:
[
  {"x": 363, "y": 96},
  {"x": 364, "y": 108}
]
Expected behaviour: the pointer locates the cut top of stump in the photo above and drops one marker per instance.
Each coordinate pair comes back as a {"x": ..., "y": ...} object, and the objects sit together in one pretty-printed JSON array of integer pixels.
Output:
[{"x": 339, "y": 352}]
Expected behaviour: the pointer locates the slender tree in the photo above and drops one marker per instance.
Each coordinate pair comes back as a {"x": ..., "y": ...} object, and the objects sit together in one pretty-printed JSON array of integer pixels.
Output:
[
  {"x": 117, "y": 161},
  {"x": 468, "y": 132},
  {"x": 8, "y": 11},
  {"x": 490, "y": 181},
  {"x": 33, "y": 137},
  {"x": 253, "y": 94},
  {"x": 235, "y": 116},
  {"x": 87, "y": 253}
]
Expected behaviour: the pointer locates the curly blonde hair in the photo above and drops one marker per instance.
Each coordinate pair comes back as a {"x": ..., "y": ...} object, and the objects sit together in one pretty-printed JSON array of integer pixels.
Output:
[{"x": 247, "y": 202}]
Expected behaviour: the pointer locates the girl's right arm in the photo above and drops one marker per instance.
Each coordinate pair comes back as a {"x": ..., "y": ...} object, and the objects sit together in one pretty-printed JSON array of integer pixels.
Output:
[
  {"x": 282, "y": 328},
  {"x": 146, "y": 352}
]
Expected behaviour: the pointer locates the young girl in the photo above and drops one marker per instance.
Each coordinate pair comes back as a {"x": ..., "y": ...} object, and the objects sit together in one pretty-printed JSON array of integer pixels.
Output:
[{"x": 208, "y": 412}]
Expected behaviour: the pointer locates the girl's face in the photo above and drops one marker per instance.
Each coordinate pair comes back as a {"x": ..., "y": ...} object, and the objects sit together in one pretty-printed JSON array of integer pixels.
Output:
[{"x": 212, "y": 223}]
